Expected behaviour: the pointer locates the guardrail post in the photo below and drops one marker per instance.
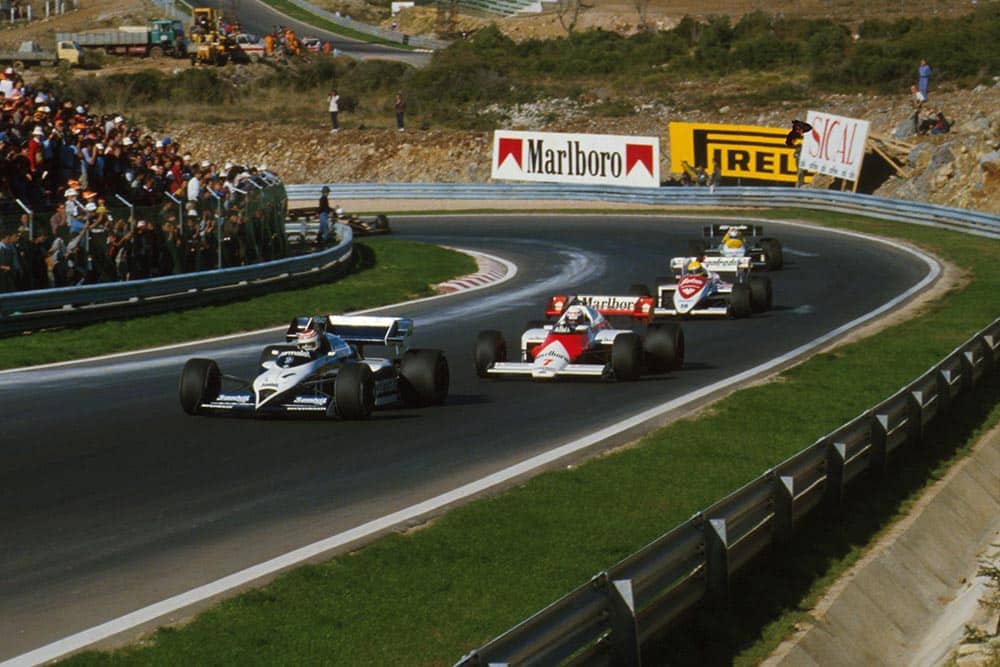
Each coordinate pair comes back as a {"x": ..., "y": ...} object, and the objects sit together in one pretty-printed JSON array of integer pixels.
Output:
[
  {"x": 784, "y": 499},
  {"x": 991, "y": 342},
  {"x": 914, "y": 402},
  {"x": 717, "y": 559},
  {"x": 836, "y": 460},
  {"x": 624, "y": 640},
  {"x": 973, "y": 364},
  {"x": 880, "y": 437}
]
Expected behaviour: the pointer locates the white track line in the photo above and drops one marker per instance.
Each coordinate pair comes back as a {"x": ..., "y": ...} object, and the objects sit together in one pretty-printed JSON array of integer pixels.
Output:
[{"x": 150, "y": 613}]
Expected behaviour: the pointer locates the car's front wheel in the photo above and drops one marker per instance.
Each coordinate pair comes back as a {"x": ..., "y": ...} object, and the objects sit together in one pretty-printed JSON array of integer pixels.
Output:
[
  {"x": 201, "y": 382},
  {"x": 490, "y": 349},
  {"x": 626, "y": 356},
  {"x": 354, "y": 391}
]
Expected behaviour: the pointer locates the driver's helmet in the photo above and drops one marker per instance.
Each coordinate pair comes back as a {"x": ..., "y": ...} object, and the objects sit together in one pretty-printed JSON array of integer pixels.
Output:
[
  {"x": 695, "y": 267},
  {"x": 308, "y": 340},
  {"x": 733, "y": 239},
  {"x": 575, "y": 316},
  {"x": 733, "y": 233}
]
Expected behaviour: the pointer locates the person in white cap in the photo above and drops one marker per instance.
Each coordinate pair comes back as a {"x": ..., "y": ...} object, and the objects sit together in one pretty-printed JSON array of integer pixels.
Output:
[
  {"x": 74, "y": 212},
  {"x": 194, "y": 186}
]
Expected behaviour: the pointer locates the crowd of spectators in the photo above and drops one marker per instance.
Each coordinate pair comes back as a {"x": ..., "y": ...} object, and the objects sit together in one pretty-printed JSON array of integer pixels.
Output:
[{"x": 70, "y": 168}]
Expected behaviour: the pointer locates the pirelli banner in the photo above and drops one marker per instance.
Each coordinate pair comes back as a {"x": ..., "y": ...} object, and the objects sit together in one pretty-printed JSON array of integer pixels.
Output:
[
  {"x": 602, "y": 159},
  {"x": 748, "y": 154}
]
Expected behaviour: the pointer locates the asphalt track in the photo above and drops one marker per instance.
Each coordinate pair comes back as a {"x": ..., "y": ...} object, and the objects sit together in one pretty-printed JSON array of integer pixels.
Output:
[
  {"x": 258, "y": 18},
  {"x": 112, "y": 499}
]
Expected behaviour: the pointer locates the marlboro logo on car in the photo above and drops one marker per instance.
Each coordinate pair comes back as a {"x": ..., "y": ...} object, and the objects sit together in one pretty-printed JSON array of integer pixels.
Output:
[{"x": 576, "y": 158}]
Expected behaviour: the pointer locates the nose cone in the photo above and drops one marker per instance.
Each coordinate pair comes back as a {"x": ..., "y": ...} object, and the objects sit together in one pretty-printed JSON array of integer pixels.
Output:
[{"x": 552, "y": 359}]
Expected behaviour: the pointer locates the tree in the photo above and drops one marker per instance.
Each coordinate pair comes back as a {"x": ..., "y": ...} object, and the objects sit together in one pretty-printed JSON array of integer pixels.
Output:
[{"x": 568, "y": 12}]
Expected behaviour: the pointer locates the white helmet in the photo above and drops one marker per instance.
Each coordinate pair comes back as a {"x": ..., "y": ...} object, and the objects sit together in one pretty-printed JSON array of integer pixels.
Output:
[
  {"x": 574, "y": 316},
  {"x": 308, "y": 340}
]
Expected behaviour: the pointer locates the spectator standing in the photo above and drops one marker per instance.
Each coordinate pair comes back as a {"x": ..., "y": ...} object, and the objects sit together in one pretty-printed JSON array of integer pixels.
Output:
[
  {"x": 8, "y": 260},
  {"x": 923, "y": 77},
  {"x": 324, "y": 216},
  {"x": 334, "y": 100},
  {"x": 400, "y": 105}
]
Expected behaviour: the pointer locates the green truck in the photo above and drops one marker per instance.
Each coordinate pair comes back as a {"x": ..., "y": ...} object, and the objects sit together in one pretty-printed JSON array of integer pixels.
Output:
[{"x": 162, "y": 37}]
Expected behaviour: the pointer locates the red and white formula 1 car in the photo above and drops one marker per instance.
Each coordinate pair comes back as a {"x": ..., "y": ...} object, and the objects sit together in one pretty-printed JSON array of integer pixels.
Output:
[
  {"x": 719, "y": 286},
  {"x": 583, "y": 342}
]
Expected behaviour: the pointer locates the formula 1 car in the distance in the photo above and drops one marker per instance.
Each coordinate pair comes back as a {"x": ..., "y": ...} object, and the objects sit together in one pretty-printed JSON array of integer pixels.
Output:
[
  {"x": 321, "y": 369},
  {"x": 709, "y": 286},
  {"x": 739, "y": 240},
  {"x": 583, "y": 342}
]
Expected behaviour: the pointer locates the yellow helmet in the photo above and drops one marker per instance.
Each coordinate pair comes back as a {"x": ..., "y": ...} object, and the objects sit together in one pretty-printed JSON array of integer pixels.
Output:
[{"x": 694, "y": 266}]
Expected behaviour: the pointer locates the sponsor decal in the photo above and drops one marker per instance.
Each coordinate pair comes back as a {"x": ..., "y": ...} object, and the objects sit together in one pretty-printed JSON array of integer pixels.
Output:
[
  {"x": 835, "y": 146},
  {"x": 747, "y": 154},
  {"x": 310, "y": 400},
  {"x": 620, "y": 303},
  {"x": 576, "y": 158},
  {"x": 233, "y": 398},
  {"x": 690, "y": 285}
]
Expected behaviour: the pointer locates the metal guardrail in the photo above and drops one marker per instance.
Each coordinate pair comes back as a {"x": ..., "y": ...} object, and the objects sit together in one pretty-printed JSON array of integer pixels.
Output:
[
  {"x": 969, "y": 221},
  {"x": 608, "y": 619},
  {"x": 373, "y": 30},
  {"x": 76, "y": 305}
]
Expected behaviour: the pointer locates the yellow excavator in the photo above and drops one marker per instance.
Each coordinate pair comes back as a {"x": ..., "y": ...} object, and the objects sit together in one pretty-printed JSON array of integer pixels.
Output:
[{"x": 207, "y": 44}]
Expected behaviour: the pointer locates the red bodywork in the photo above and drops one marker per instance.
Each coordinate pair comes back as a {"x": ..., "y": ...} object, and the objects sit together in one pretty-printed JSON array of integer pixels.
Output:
[{"x": 690, "y": 285}]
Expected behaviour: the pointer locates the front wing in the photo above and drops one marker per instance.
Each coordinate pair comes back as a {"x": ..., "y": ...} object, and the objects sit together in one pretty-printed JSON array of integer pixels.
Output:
[{"x": 526, "y": 368}]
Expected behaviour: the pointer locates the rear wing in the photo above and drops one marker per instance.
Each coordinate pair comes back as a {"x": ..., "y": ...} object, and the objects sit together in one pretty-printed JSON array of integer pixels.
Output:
[
  {"x": 360, "y": 330},
  {"x": 718, "y": 231},
  {"x": 638, "y": 307},
  {"x": 713, "y": 263}
]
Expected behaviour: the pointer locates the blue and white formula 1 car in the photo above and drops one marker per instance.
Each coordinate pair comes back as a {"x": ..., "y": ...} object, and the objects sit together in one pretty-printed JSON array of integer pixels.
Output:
[{"x": 322, "y": 370}]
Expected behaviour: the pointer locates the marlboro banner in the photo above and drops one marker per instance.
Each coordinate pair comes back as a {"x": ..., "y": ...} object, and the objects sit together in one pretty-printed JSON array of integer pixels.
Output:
[
  {"x": 576, "y": 158},
  {"x": 835, "y": 146}
]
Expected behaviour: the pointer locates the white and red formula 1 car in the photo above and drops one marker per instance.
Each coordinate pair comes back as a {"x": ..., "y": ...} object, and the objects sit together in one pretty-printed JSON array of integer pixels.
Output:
[
  {"x": 583, "y": 342},
  {"x": 723, "y": 286}
]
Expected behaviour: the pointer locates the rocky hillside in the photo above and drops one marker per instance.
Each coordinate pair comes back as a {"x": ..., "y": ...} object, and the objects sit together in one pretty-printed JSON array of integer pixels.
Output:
[{"x": 961, "y": 168}]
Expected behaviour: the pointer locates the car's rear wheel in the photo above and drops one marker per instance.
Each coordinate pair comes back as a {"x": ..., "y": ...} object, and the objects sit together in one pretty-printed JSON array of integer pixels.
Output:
[
  {"x": 761, "y": 294},
  {"x": 773, "y": 255},
  {"x": 626, "y": 356},
  {"x": 424, "y": 377},
  {"x": 354, "y": 391},
  {"x": 201, "y": 382},
  {"x": 490, "y": 348},
  {"x": 739, "y": 301},
  {"x": 664, "y": 347}
]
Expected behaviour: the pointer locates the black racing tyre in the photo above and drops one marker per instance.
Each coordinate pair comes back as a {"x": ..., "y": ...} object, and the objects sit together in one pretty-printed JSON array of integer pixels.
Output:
[
  {"x": 490, "y": 348},
  {"x": 761, "y": 295},
  {"x": 354, "y": 391},
  {"x": 773, "y": 256},
  {"x": 423, "y": 377},
  {"x": 739, "y": 301},
  {"x": 697, "y": 248},
  {"x": 664, "y": 347},
  {"x": 201, "y": 382},
  {"x": 381, "y": 222},
  {"x": 639, "y": 289},
  {"x": 626, "y": 356}
]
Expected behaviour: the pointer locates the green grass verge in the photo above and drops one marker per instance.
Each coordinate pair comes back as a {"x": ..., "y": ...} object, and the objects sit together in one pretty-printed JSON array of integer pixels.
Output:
[
  {"x": 427, "y": 597},
  {"x": 296, "y": 12},
  {"x": 402, "y": 270}
]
